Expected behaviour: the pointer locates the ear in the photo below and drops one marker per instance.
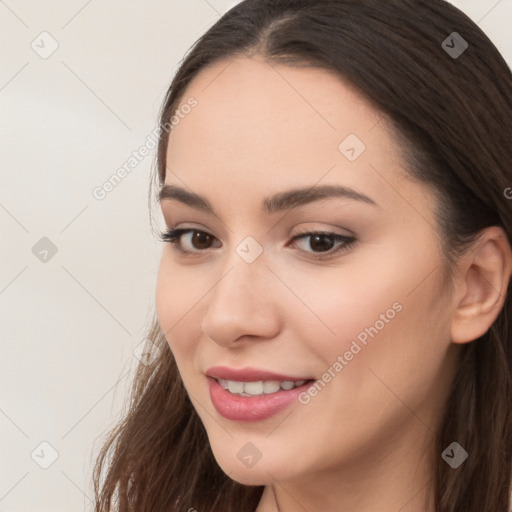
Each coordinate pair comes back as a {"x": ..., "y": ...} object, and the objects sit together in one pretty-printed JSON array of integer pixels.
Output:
[{"x": 481, "y": 282}]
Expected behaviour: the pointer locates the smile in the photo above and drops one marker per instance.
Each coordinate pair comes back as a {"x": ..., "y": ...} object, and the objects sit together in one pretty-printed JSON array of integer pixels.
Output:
[
  {"x": 250, "y": 394},
  {"x": 259, "y": 387}
]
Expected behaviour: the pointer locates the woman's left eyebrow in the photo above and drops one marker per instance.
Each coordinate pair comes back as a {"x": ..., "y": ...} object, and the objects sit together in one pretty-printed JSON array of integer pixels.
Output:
[{"x": 281, "y": 201}]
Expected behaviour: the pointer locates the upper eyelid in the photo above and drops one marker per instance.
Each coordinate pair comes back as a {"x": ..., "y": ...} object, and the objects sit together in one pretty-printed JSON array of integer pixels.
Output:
[{"x": 184, "y": 230}]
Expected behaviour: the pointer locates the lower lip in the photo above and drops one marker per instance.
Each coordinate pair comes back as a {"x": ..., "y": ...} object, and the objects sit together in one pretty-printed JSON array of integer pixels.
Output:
[{"x": 251, "y": 408}]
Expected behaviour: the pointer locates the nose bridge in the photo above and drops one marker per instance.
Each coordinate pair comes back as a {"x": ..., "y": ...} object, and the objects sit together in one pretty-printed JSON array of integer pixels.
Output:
[
  {"x": 241, "y": 302},
  {"x": 245, "y": 271}
]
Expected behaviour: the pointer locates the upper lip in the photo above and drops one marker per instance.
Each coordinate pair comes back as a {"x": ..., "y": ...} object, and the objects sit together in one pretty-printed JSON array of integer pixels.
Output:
[{"x": 248, "y": 374}]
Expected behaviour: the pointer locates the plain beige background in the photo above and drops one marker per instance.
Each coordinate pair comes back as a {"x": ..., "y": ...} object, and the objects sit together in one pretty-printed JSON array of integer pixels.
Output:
[{"x": 75, "y": 305}]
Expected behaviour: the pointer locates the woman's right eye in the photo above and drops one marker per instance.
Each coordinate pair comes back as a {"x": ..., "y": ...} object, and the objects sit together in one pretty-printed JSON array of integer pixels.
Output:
[{"x": 196, "y": 240}]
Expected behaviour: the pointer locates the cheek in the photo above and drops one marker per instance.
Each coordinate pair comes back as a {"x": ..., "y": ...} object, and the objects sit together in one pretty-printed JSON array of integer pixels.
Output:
[
  {"x": 379, "y": 311},
  {"x": 339, "y": 303},
  {"x": 177, "y": 299}
]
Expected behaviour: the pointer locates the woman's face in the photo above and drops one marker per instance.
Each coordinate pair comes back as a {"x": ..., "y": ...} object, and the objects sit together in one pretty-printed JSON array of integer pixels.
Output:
[{"x": 365, "y": 316}]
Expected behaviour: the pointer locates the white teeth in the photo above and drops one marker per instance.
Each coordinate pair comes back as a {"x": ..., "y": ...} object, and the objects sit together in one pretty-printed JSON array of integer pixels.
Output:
[
  {"x": 259, "y": 387},
  {"x": 271, "y": 386},
  {"x": 235, "y": 387},
  {"x": 253, "y": 388}
]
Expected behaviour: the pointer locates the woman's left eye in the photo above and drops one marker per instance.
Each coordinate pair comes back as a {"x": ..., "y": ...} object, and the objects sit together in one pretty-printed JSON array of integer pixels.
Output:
[
  {"x": 323, "y": 242},
  {"x": 198, "y": 241}
]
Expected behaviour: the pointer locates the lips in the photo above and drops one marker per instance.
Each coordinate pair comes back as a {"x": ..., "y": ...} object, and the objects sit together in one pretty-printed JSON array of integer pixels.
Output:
[{"x": 250, "y": 395}]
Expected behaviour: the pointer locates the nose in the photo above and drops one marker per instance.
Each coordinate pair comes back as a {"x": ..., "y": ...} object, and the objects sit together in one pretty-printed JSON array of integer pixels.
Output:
[{"x": 243, "y": 305}]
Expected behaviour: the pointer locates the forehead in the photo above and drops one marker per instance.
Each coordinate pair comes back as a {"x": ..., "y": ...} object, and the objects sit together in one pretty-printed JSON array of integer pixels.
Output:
[
  {"x": 261, "y": 126},
  {"x": 245, "y": 96}
]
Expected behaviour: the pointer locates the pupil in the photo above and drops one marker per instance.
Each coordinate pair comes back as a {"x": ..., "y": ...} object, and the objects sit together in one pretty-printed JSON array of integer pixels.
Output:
[
  {"x": 200, "y": 240},
  {"x": 324, "y": 242}
]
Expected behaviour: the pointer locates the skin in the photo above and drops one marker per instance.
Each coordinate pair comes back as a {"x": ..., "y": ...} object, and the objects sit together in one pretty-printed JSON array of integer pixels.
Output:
[{"x": 363, "y": 443}]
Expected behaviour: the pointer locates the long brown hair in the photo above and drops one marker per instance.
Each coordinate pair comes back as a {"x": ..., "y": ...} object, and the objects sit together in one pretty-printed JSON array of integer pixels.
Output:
[{"x": 453, "y": 120}]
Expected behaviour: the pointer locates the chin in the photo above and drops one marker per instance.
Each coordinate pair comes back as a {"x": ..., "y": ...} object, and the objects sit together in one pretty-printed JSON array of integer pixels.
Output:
[{"x": 261, "y": 473}]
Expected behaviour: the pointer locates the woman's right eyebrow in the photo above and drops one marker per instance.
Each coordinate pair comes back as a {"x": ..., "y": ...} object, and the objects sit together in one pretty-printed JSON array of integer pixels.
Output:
[{"x": 286, "y": 200}]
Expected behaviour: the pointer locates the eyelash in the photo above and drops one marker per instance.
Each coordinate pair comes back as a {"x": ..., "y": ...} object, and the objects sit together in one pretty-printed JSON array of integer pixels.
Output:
[{"x": 173, "y": 237}]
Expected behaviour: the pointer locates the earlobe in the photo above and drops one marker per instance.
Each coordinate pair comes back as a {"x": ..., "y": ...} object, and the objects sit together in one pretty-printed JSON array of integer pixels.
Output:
[{"x": 483, "y": 275}]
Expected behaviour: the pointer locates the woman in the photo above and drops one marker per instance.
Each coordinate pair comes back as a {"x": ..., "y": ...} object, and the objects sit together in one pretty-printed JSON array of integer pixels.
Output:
[{"x": 332, "y": 309}]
